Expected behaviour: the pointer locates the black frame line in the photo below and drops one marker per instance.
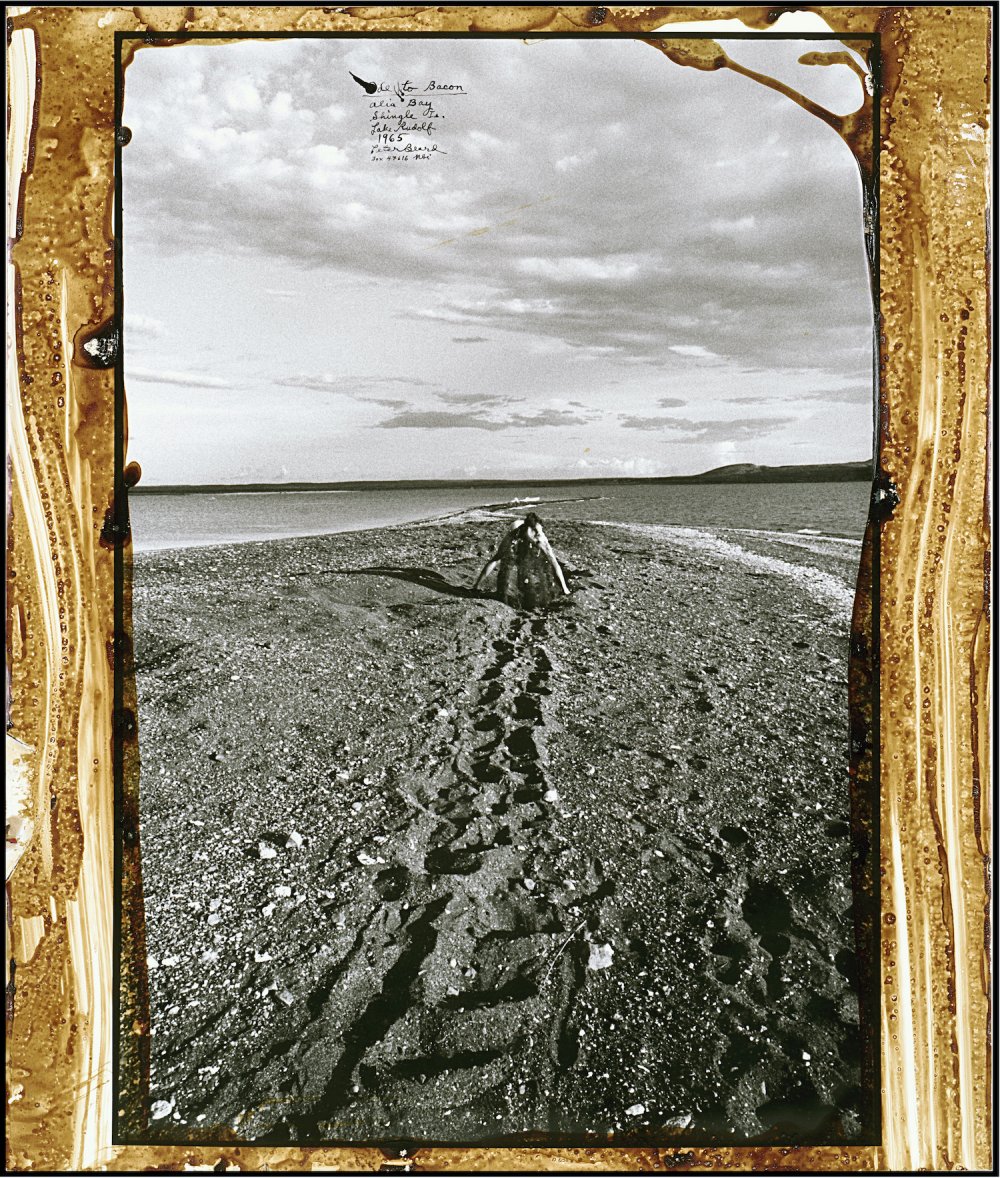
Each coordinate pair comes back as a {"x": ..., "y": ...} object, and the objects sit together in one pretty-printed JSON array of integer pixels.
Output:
[
  {"x": 402, "y": 1148},
  {"x": 876, "y": 519},
  {"x": 485, "y": 35},
  {"x": 120, "y": 509}
]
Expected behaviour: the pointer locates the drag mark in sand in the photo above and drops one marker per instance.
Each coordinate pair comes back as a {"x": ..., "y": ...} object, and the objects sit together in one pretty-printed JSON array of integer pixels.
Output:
[{"x": 472, "y": 943}]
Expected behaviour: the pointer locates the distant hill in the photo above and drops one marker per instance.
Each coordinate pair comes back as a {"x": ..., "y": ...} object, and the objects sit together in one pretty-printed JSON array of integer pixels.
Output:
[{"x": 743, "y": 472}]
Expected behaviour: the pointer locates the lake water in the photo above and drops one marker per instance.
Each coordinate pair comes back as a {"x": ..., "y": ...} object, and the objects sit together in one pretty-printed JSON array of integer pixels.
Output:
[{"x": 175, "y": 521}]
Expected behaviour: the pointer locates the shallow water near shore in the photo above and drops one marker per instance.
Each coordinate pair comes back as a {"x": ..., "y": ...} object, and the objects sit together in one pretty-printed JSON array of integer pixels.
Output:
[{"x": 182, "y": 520}]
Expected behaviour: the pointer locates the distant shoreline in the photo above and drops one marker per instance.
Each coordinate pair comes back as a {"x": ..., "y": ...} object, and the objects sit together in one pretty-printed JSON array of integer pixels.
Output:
[{"x": 835, "y": 472}]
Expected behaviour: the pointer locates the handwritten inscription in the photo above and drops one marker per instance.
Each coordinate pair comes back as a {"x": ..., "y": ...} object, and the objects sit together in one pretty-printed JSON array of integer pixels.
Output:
[{"x": 407, "y": 119}]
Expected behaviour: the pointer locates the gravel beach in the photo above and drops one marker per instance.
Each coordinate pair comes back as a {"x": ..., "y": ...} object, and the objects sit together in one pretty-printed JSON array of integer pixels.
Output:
[{"x": 419, "y": 867}]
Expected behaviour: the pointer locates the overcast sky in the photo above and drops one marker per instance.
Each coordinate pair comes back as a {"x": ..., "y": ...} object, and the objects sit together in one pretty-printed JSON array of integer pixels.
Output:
[{"x": 614, "y": 265}]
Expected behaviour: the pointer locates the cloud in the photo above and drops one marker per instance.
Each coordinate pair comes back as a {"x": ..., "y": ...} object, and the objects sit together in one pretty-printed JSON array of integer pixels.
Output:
[
  {"x": 860, "y": 394},
  {"x": 742, "y": 429},
  {"x": 782, "y": 317},
  {"x": 633, "y": 467},
  {"x": 828, "y": 392},
  {"x": 734, "y": 227},
  {"x": 557, "y": 417},
  {"x": 636, "y": 421},
  {"x": 586, "y": 269},
  {"x": 144, "y": 326},
  {"x": 240, "y": 94},
  {"x": 667, "y": 230},
  {"x": 187, "y": 379},
  {"x": 360, "y": 388},
  {"x": 483, "y": 419},
  {"x": 475, "y": 398},
  {"x": 262, "y": 150},
  {"x": 696, "y": 351},
  {"x": 440, "y": 419}
]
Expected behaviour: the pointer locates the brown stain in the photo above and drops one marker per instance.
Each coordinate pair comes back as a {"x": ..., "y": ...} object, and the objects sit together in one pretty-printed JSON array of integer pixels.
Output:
[
  {"x": 855, "y": 129},
  {"x": 935, "y": 827}
]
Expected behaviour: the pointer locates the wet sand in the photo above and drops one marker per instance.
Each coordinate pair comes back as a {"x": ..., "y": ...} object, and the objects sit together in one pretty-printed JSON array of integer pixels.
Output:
[{"x": 419, "y": 867}]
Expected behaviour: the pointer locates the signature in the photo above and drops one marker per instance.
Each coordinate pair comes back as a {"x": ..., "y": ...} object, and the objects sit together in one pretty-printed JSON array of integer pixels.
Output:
[{"x": 405, "y": 88}]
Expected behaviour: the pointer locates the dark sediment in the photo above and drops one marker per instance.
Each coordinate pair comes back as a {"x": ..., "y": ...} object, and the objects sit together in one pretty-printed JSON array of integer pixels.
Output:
[{"x": 421, "y": 867}]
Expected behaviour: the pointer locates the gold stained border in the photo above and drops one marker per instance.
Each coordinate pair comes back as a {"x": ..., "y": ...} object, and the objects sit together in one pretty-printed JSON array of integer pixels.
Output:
[{"x": 65, "y": 539}]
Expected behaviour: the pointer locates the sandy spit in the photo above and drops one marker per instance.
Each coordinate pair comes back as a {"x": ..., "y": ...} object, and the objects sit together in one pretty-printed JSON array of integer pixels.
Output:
[{"x": 422, "y": 868}]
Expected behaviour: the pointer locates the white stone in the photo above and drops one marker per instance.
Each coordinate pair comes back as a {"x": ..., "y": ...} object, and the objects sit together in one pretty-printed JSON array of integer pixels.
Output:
[{"x": 601, "y": 956}]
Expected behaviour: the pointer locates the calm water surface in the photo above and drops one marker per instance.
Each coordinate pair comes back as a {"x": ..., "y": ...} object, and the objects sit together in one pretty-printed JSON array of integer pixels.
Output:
[{"x": 168, "y": 521}]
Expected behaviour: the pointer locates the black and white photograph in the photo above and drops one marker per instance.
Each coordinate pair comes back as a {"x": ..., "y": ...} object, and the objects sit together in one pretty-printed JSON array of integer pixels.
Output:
[{"x": 504, "y": 413}]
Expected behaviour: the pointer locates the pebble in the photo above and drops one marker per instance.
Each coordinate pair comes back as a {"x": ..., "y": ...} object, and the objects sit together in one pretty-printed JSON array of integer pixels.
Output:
[{"x": 601, "y": 956}]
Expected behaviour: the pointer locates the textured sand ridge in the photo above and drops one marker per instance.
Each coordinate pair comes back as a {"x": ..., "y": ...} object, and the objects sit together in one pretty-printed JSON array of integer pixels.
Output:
[{"x": 421, "y": 867}]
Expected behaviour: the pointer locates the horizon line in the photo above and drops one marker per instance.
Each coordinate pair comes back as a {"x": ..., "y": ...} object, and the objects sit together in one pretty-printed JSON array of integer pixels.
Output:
[{"x": 857, "y": 468}]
